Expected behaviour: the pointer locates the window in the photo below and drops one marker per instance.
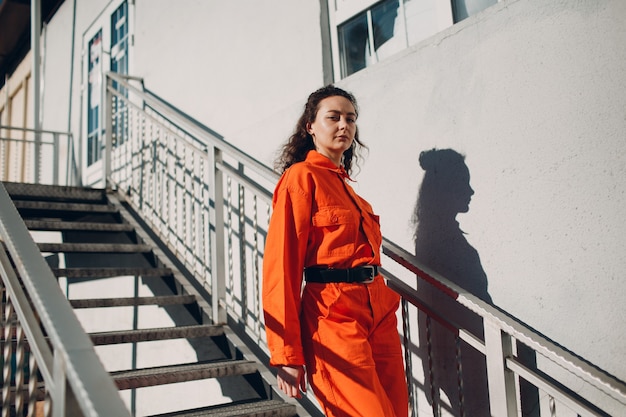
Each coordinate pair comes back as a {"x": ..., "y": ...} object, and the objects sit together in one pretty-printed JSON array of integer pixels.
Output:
[
  {"x": 94, "y": 92},
  {"x": 369, "y": 31},
  {"x": 370, "y": 36},
  {"x": 119, "y": 64},
  {"x": 463, "y": 9}
]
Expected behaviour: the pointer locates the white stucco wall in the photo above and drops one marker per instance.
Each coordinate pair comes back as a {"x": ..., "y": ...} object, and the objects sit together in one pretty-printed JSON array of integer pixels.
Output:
[
  {"x": 531, "y": 91},
  {"x": 231, "y": 66}
]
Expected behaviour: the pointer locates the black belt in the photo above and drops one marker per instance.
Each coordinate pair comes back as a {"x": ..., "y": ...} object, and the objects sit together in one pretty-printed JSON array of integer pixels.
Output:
[{"x": 326, "y": 275}]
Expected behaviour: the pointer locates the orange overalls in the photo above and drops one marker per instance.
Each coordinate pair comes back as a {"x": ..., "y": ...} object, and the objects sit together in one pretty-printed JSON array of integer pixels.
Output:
[{"x": 344, "y": 333}]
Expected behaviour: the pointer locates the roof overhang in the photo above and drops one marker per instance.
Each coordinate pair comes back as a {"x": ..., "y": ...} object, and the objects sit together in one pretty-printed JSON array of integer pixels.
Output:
[{"x": 15, "y": 31}]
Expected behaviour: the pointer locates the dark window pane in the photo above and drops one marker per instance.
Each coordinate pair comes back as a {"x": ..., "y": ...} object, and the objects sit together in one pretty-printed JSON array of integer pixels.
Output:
[
  {"x": 383, "y": 20},
  {"x": 353, "y": 45}
]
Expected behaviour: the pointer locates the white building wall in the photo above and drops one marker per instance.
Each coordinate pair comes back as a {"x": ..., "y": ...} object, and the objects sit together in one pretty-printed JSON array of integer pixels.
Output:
[
  {"x": 232, "y": 65},
  {"x": 530, "y": 91}
]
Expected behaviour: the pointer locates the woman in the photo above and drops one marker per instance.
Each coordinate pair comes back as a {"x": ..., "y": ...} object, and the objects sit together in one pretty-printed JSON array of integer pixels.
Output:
[{"x": 340, "y": 329}]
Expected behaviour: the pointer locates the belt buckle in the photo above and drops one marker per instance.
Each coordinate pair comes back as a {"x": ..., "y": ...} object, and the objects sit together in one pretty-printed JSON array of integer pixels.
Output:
[{"x": 372, "y": 274}]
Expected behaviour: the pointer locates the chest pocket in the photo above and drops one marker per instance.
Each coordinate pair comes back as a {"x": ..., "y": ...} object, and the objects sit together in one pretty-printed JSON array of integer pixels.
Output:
[{"x": 334, "y": 232}]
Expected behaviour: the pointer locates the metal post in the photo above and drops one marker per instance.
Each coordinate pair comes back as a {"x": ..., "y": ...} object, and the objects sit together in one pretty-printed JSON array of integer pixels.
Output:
[
  {"x": 55, "y": 158},
  {"x": 502, "y": 394},
  {"x": 108, "y": 130},
  {"x": 218, "y": 275},
  {"x": 35, "y": 35}
]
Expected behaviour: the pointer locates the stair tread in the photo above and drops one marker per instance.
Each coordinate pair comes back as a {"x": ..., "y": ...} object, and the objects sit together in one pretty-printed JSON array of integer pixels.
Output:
[
  {"x": 66, "y": 207},
  {"x": 18, "y": 190},
  {"x": 82, "y": 226},
  {"x": 132, "y": 301},
  {"x": 108, "y": 272},
  {"x": 260, "y": 408},
  {"x": 181, "y": 373},
  {"x": 152, "y": 334},
  {"x": 94, "y": 247},
  {"x": 44, "y": 208}
]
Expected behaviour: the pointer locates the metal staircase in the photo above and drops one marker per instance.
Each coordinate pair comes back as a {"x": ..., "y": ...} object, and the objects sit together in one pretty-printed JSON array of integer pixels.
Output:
[{"x": 91, "y": 236}]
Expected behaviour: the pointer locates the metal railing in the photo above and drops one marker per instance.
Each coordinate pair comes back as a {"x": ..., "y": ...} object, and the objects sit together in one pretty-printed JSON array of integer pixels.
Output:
[
  {"x": 49, "y": 365},
  {"x": 34, "y": 156},
  {"x": 211, "y": 203}
]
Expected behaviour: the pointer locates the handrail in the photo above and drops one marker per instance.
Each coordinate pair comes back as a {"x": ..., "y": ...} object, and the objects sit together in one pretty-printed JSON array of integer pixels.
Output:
[
  {"x": 51, "y": 160},
  {"x": 26, "y": 129},
  {"x": 521, "y": 332},
  {"x": 169, "y": 179},
  {"x": 193, "y": 127},
  {"x": 65, "y": 356}
]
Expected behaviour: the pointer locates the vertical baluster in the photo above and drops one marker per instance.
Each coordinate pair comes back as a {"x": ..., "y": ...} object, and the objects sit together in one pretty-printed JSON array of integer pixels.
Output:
[
  {"x": 174, "y": 195},
  {"x": 165, "y": 209},
  {"x": 193, "y": 222},
  {"x": 136, "y": 134},
  {"x": 185, "y": 208},
  {"x": 408, "y": 362},
  {"x": 459, "y": 376},
  {"x": 186, "y": 205},
  {"x": 32, "y": 385},
  {"x": 158, "y": 183},
  {"x": 127, "y": 110},
  {"x": 8, "y": 356},
  {"x": 3, "y": 324},
  {"x": 431, "y": 376},
  {"x": 268, "y": 213},
  {"x": 256, "y": 277},
  {"x": 19, "y": 369},
  {"x": 229, "y": 240},
  {"x": 206, "y": 222},
  {"x": 243, "y": 276}
]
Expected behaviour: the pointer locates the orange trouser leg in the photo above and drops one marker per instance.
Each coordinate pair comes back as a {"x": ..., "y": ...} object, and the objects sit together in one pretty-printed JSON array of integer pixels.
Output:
[{"x": 352, "y": 348}]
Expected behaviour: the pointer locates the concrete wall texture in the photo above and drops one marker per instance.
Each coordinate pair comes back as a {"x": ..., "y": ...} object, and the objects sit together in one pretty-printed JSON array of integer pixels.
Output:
[{"x": 530, "y": 91}]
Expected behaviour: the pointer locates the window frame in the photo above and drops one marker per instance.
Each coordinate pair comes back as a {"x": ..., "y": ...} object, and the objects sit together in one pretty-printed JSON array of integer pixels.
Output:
[{"x": 342, "y": 11}]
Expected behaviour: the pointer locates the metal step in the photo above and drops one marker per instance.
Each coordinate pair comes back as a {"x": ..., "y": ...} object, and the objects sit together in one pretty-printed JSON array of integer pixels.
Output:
[
  {"x": 64, "y": 207},
  {"x": 181, "y": 373},
  {"x": 22, "y": 191},
  {"x": 164, "y": 300},
  {"x": 47, "y": 206},
  {"x": 82, "y": 226},
  {"x": 94, "y": 247},
  {"x": 262, "y": 408},
  {"x": 148, "y": 335},
  {"x": 110, "y": 272}
]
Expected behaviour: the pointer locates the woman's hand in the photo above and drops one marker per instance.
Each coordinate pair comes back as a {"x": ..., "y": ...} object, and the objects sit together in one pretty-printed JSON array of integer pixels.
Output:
[{"x": 291, "y": 380}]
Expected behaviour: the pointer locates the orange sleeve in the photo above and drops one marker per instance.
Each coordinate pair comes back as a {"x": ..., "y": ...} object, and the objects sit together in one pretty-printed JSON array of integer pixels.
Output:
[{"x": 283, "y": 263}]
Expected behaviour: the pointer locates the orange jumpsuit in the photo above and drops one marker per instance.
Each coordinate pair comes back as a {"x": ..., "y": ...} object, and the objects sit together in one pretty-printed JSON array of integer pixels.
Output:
[{"x": 344, "y": 333}]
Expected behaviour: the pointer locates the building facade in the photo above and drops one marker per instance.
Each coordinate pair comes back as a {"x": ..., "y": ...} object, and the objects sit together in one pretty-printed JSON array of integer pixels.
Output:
[{"x": 529, "y": 91}]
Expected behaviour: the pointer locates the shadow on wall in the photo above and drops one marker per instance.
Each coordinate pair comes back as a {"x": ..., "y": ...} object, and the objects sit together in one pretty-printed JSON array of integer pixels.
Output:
[{"x": 441, "y": 245}]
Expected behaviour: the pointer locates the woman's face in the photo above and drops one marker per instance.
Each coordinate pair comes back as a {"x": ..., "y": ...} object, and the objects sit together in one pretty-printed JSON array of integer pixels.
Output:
[{"x": 334, "y": 127}]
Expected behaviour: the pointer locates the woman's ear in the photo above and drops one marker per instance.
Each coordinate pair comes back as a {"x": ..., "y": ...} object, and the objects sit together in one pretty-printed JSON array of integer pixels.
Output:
[{"x": 308, "y": 129}]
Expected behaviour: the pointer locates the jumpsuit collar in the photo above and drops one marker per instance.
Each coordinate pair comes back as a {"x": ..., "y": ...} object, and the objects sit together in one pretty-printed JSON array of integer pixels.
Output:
[{"x": 313, "y": 157}]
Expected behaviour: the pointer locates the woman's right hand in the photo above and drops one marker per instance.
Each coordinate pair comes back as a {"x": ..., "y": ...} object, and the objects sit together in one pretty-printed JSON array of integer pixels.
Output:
[{"x": 291, "y": 380}]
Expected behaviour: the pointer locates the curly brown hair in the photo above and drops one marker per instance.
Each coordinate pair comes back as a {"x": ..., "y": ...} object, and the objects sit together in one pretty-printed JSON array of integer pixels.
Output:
[{"x": 301, "y": 141}]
